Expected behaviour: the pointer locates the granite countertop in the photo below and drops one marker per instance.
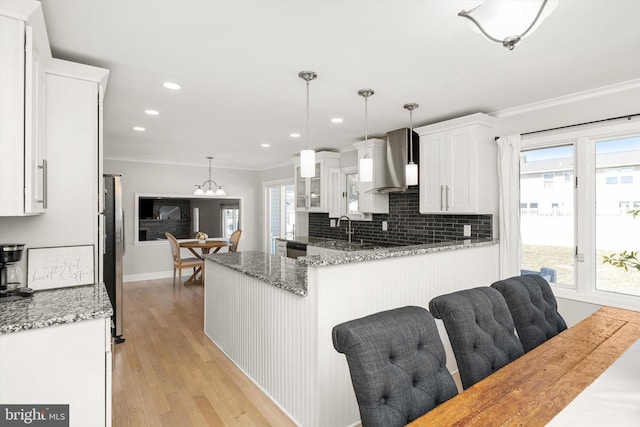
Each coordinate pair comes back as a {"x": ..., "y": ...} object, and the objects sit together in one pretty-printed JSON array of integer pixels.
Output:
[
  {"x": 55, "y": 307},
  {"x": 391, "y": 252},
  {"x": 281, "y": 272},
  {"x": 291, "y": 274}
]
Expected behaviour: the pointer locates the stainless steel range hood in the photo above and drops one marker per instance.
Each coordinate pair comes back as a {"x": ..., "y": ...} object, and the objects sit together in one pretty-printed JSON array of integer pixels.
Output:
[{"x": 397, "y": 157}]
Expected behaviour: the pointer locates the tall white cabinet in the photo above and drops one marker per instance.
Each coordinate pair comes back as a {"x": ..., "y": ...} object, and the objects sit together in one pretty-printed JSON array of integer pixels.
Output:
[
  {"x": 24, "y": 53},
  {"x": 458, "y": 166}
]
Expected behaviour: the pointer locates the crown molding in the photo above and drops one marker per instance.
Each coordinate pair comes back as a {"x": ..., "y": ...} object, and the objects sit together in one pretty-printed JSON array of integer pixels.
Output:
[{"x": 568, "y": 99}]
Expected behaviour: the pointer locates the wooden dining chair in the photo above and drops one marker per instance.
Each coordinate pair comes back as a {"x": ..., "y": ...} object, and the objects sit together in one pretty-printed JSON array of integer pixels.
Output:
[
  {"x": 179, "y": 263},
  {"x": 233, "y": 240}
]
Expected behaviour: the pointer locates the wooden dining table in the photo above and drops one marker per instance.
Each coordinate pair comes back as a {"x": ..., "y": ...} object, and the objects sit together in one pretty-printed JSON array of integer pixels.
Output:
[
  {"x": 536, "y": 387},
  {"x": 205, "y": 247}
]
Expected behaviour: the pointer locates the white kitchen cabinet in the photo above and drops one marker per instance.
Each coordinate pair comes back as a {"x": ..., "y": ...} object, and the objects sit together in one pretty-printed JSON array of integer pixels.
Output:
[
  {"x": 281, "y": 247},
  {"x": 312, "y": 194},
  {"x": 65, "y": 364},
  {"x": 373, "y": 202},
  {"x": 23, "y": 165},
  {"x": 458, "y": 166}
]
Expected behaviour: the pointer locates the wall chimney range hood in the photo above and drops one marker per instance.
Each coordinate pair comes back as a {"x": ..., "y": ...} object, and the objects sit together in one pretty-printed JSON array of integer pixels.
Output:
[{"x": 394, "y": 180}]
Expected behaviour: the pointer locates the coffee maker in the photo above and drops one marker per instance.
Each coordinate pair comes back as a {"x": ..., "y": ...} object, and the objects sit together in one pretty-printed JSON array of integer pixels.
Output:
[{"x": 11, "y": 279}]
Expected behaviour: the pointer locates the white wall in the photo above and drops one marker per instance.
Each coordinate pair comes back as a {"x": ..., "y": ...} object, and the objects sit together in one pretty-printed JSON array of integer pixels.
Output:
[{"x": 153, "y": 259}]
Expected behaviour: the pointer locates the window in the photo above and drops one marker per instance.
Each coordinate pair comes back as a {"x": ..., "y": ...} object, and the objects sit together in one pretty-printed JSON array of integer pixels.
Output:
[
  {"x": 611, "y": 180},
  {"x": 352, "y": 193},
  {"x": 230, "y": 220},
  {"x": 280, "y": 213},
  {"x": 578, "y": 223},
  {"x": 547, "y": 232}
]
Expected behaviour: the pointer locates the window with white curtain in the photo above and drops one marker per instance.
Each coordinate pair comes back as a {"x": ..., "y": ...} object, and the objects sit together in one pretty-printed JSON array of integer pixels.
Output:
[{"x": 585, "y": 214}]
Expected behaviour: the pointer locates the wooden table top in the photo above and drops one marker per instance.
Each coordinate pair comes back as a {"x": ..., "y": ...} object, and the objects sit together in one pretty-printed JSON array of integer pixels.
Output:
[
  {"x": 534, "y": 388},
  {"x": 206, "y": 244}
]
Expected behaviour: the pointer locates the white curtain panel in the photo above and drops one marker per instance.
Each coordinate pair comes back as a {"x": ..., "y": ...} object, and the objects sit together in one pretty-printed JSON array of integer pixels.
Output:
[{"x": 509, "y": 186}]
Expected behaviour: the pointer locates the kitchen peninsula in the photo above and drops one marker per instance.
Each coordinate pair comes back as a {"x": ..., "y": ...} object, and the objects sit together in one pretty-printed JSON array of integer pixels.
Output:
[{"x": 273, "y": 315}]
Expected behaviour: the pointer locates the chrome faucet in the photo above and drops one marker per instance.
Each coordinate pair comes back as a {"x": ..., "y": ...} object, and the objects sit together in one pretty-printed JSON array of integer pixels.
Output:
[{"x": 349, "y": 230}]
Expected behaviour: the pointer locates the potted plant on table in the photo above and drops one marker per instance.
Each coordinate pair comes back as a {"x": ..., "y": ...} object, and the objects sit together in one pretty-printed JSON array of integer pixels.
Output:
[{"x": 202, "y": 237}]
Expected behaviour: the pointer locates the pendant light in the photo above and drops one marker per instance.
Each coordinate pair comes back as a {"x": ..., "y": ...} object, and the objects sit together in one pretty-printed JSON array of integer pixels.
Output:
[
  {"x": 365, "y": 166},
  {"x": 200, "y": 191},
  {"x": 411, "y": 170},
  {"x": 307, "y": 156}
]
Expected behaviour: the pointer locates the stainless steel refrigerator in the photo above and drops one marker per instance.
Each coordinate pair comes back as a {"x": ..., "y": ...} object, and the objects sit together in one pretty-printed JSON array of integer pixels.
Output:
[{"x": 114, "y": 248}]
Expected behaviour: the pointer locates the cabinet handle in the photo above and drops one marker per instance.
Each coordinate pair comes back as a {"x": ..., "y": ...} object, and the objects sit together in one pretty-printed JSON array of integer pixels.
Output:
[
  {"x": 441, "y": 191},
  {"x": 447, "y": 196},
  {"x": 45, "y": 185}
]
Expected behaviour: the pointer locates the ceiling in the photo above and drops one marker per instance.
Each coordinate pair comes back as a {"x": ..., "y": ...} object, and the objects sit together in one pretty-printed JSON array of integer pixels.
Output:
[{"x": 238, "y": 64}]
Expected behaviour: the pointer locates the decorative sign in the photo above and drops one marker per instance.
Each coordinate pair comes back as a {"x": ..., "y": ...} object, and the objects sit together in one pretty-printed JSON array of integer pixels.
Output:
[{"x": 60, "y": 267}]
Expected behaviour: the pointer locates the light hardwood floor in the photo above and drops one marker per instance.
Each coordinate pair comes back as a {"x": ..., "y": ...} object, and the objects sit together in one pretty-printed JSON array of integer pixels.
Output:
[{"x": 168, "y": 373}]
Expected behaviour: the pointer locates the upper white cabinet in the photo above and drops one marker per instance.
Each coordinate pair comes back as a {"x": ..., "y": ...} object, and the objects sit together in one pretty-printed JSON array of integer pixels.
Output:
[
  {"x": 458, "y": 166},
  {"x": 313, "y": 194},
  {"x": 24, "y": 52},
  {"x": 373, "y": 202}
]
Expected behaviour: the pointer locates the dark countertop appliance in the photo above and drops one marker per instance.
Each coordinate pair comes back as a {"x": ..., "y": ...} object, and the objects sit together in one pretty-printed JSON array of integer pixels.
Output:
[
  {"x": 11, "y": 278},
  {"x": 296, "y": 249}
]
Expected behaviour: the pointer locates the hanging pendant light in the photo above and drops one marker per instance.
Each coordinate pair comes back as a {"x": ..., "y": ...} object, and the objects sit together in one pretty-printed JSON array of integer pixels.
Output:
[
  {"x": 506, "y": 21},
  {"x": 200, "y": 191},
  {"x": 365, "y": 166},
  {"x": 308, "y": 155},
  {"x": 411, "y": 170}
]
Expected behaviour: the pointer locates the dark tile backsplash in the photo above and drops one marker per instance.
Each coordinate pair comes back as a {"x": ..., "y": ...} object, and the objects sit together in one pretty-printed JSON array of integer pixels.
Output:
[{"x": 405, "y": 225}]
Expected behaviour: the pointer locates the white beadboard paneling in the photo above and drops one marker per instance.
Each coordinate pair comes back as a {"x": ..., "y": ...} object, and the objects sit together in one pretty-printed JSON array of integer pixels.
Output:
[
  {"x": 283, "y": 341},
  {"x": 267, "y": 332}
]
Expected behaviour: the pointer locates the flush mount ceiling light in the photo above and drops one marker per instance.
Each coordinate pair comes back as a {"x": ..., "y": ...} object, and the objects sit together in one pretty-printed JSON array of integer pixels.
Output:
[
  {"x": 171, "y": 85},
  {"x": 294, "y": 135},
  {"x": 508, "y": 22},
  {"x": 152, "y": 112},
  {"x": 139, "y": 128},
  {"x": 365, "y": 166},
  {"x": 337, "y": 120},
  {"x": 411, "y": 170},
  {"x": 307, "y": 156},
  {"x": 200, "y": 191}
]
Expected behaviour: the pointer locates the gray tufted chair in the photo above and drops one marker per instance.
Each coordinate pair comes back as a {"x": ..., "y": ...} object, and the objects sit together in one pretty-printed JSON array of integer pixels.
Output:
[
  {"x": 480, "y": 329},
  {"x": 397, "y": 365},
  {"x": 533, "y": 307}
]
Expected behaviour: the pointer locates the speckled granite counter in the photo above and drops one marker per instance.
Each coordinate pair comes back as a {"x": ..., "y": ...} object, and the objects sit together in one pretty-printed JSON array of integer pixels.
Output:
[
  {"x": 397, "y": 251},
  {"x": 55, "y": 307},
  {"x": 291, "y": 275},
  {"x": 281, "y": 272}
]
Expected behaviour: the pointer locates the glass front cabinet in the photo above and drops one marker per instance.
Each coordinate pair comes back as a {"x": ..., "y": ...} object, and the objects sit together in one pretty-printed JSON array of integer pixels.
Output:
[{"x": 312, "y": 194}]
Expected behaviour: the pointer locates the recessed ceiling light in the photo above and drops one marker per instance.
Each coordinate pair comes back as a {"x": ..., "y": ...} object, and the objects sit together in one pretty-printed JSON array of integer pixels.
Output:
[
  {"x": 139, "y": 128},
  {"x": 337, "y": 120},
  {"x": 294, "y": 135},
  {"x": 171, "y": 85},
  {"x": 152, "y": 112},
  {"x": 265, "y": 145}
]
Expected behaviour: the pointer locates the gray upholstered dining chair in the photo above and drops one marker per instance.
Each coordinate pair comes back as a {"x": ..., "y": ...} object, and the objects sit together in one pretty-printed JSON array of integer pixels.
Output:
[
  {"x": 397, "y": 364},
  {"x": 533, "y": 307},
  {"x": 480, "y": 329}
]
